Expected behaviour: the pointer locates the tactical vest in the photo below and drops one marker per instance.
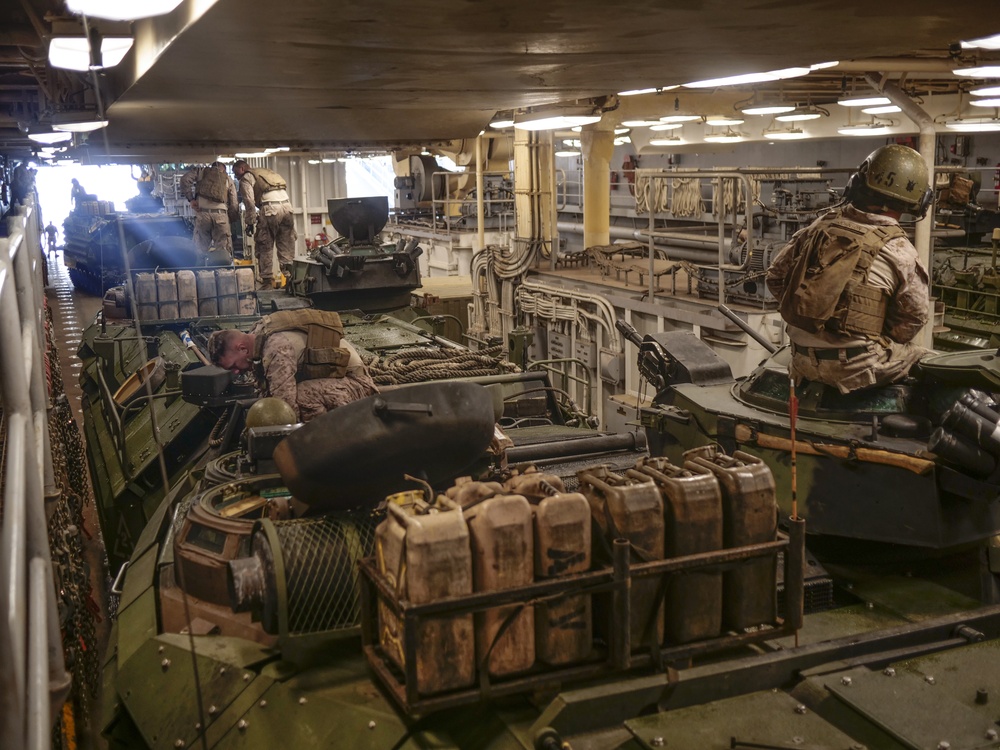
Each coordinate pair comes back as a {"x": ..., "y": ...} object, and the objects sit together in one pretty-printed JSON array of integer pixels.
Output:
[
  {"x": 212, "y": 184},
  {"x": 323, "y": 356},
  {"x": 828, "y": 286},
  {"x": 265, "y": 179}
]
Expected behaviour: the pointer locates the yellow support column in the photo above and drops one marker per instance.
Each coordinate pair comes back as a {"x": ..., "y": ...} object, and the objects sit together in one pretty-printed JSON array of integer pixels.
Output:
[{"x": 597, "y": 148}]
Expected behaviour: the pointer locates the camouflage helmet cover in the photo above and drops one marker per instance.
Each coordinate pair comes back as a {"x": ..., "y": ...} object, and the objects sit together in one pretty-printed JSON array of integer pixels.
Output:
[
  {"x": 270, "y": 412},
  {"x": 896, "y": 172}
]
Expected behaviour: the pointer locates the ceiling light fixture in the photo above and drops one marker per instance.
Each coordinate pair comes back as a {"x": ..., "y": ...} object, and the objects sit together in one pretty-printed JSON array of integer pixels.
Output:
[
  {"x": 986, "y": 42},
  {"x": 621, "y": 131},
  {"x": 986, "y": 91},
  {"x": 554, "y": 117},
  {"x": 722, "y": 121},
  {"x": 78, "y": 122},
  {"x": 73, "y": 52},
  {"x": 730, "y": 136},
  {"x": 680, "y": 118},
  {"x": 824, "y": 65},
  {"x": 791, "y": 134},
  {"x": 666, "y": 126},
  {"x": 673, "y": 140},
  {"x": 767, "y": 109},
  {"x": 567, "y": 154},
  {"x": 41, "y": 134},
  {"x": 121, "y": 10},
  {"x": 572, "y": 142},
  {"x": 984, "y": 71},
  {"x": 887, "y": 109},
  {"x": 622, "y": 140},
  {"x": 639, "y": 123},
  {"x": 654, "y": 90},
  {"x": 502, "y": 120},
  {"x": 973, "y": 124},
  {"x": 868, "y": 128},
  {"x": 772, "y": 75},
  {"x": 800, "y": 114},
  {"x": 863, "y": 101},
  {"x": 985, "y": 102}
]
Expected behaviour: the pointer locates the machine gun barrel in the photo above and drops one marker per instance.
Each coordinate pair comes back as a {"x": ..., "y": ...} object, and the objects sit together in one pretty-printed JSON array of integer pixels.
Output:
[
  {"x": 627, "y": 330},
  {"x": 771, "y": 348}
]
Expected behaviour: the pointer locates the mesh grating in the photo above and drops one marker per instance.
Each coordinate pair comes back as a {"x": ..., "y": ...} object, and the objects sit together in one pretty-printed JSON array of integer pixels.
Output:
[{"x": 320, "y": 556}]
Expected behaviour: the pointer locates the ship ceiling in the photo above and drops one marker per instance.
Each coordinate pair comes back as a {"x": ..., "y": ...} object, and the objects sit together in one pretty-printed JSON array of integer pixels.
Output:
[{"x": 243, "y": 74}]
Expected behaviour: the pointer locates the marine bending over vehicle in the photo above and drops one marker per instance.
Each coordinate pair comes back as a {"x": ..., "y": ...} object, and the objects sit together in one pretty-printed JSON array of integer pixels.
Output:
[
  {"x": 298, "y": 356},
  {"x": 850, "y": 286}
]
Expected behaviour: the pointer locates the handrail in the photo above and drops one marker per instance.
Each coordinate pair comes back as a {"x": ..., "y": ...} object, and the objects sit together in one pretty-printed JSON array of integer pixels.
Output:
[{"x": 33, "y": 678}]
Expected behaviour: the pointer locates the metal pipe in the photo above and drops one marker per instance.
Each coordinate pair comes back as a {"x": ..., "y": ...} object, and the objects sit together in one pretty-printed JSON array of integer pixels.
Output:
[
  {"x": 621, "y": 615},
  {"x": 771, "y": 348},
  {"x": 624, "y": 441},
  {"x": 795, "y": 555},
  {"x": 703, "y": 254},
  {"x": 39, "y": 721},
  {"x": 480, "y": 207}
]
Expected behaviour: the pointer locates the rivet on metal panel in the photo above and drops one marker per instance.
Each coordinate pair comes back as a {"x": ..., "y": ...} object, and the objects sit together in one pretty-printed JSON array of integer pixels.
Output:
[
  {"x": 889, "y": 672},
  {"x": 371, "y": 724},
  {"x": 263, "y": 703},
  {"x": 991, "y": 734},
  {"x": 302, "y": 701},
  {"x": 246, "y": 677},
  {"x": 800, "y": 709},
  {"x": 982, "y": 696},
  {"x": 845, "y": 680},
  {"x": 178, "y": 743},
  {"x": 242, "y": 725},
  {"x": 656, "y": 742},
  {"x": 165, "y": 664},
  {"x": 944, "y": 745},
  {"x": 213, "y": 710},
  {"x": 929, "y": 680}
]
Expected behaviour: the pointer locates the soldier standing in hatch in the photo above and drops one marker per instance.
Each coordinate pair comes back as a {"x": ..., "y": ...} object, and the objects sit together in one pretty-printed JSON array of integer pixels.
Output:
[
  {"x": 851, "y": 288},
  {"x": 267, "y": 190},
  {"x": 299, "y": 357},
  {"x": 213, "y": 197}
]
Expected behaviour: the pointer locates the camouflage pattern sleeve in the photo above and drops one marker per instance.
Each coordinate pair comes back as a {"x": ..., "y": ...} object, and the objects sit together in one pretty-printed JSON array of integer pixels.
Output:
[
  {"x": 188, "y": 180},
  {"x": 781, "y": 265},
  {"x": 280, "y": 365},
  {"x": 909, "y": 306},
  {"x": 232, "y": 205},
  {"x": 246, "y": 196}
]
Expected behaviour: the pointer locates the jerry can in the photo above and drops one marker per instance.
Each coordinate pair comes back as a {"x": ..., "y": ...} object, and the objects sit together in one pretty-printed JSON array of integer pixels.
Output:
[
  {"x": 145, "y": 294},
  {"x": 187, "y": 295},
  {"x": 630, "y": 508},
  {"x": 563, "y": 627},
  {"x": 692, "y": 514},
  {"x": 467, "y": 493},
  {"x": 534, "y": 485},
  {"x": 749, "y": 516},
  {"x": 423, "y": 553},
  {"x": 225, "y": 280},
  {"x": 245, "y": 291},
  {"x": 502, "y": 558},
  {"x": 166, "y": 295},
  {"x": 208, "y": 294}
]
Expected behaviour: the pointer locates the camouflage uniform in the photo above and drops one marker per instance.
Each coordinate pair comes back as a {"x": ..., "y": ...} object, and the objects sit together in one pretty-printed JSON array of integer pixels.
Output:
[
  {"x": 852, "y": 361},
  {"x": 211, "y": 222},
  {"x": 310, "y": 398},
  {"x": 275, "y": 226}
]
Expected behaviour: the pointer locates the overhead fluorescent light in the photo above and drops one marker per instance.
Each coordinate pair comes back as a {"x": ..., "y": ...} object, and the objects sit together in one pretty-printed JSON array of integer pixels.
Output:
[
  {"x": 572, "y": 142},
  {"x": 567, "y": 153},
  {"x": 673, "y": 140},
  {"x": 73, "y": 52},
  {"x": 985, "y": 102},
  {"x": 49, "y": 136},
  {"x": 654, "y": 90},
  {"x": 121, "y": 10},
  {"x": 768, "y": 109},
  {"x": 984, "y": 71},
  {"x": 639, "y": 123},
  {"x": 863, "y": 101},
  {"x": 501, "y": 121},
  {"x": 986, "y": 91},
  {"x": 722, "y": 121},
  {"x": 78, "y": 122},
  {"x": 773, "y": 75},
  {"x": 886, "y": 109},
  {"x": 666, "y": 126},
  {"x": 315, "y": 161},
  {"x": 622, "y": 140},
  {"x": 973, "y": 124},
  {"x": 252, "y": 155},
  {"x": 986, "y": 42},
  {"x": 800, "y": 114},
  {"x": 730, "y": 136},
  {"x": 870, "y": 128},
  {"x": 554, "y": 117},
  {"x": 824, "y": 65},
  {"x": 680, "y": 118},
  {"x": 792, "y": 134},
  {"x": 621, "y": 131}
]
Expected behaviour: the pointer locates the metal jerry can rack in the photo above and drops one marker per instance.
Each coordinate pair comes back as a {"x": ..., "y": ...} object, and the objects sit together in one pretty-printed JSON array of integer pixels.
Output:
[{"x": 617, "y": 647}]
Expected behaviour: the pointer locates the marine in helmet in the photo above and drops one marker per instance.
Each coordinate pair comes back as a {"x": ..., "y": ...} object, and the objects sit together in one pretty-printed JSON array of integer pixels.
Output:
[
  {"x": 267, "y": 210},
  {"x": 270, "y": 412},
  {"x": 299, "y": 357},
  {"x": 212, "y": 195},
  {"x": 850, "y": 286}
]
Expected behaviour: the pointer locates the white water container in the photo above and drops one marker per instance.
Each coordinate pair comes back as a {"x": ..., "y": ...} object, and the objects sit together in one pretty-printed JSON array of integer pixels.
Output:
[
  {"x": 502, "y": 558},
  {"x": 225, "y": 280},
  {"x": 245, "y": 291},
  {"x": 564, "y": 627},
  {"x": 145, "y": 294},
  {"x": 208, "y": 294},
  {"x": 187, "y": 295},
  {"x": 166, "y": 295},
  {"x": 424, "y": 555}
]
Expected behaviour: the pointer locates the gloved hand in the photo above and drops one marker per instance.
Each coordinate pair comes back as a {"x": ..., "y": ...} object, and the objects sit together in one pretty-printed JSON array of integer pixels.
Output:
[{"x": 250, "y": 227}]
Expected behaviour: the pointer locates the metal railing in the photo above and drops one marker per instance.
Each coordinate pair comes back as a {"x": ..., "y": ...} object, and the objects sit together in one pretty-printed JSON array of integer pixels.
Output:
[{"x": 33, "y": 678}]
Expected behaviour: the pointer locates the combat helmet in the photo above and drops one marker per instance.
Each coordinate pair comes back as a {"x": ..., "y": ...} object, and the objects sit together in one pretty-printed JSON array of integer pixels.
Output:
[
  {"x": 270, "y": 412},
  {"x": 896, "y": 174}
]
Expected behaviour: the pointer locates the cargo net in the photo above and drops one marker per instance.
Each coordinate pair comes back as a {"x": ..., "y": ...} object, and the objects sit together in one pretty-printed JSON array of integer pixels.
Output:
[
  {"x": 320, "y": 557},
  {"x": 420, "y": 365}
]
